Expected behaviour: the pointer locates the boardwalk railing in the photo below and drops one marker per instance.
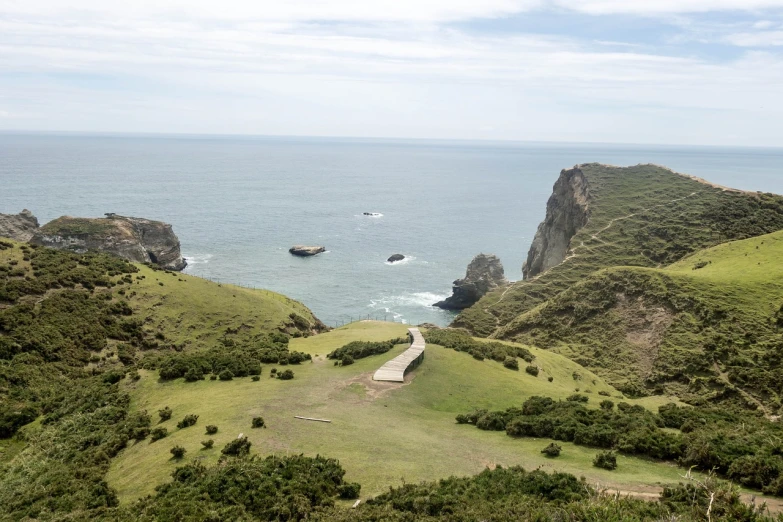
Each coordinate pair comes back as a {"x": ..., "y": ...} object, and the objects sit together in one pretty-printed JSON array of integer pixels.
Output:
[{"x": 395, "y": 370}]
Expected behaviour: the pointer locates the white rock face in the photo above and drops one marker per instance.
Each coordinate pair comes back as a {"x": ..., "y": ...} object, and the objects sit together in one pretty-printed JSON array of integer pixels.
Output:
[
  {"x": 567, "y": 211},
  {"x": 19, "y": 227}
]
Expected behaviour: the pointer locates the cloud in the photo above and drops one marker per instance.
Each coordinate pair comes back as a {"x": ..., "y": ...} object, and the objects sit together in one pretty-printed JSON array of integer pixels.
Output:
[
  {"x": 757, "y": 39},
  {"x": 659, "y": 7}
]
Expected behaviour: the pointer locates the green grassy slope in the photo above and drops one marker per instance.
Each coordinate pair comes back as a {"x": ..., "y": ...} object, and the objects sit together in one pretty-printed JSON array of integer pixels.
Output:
[
  {"x": 703, "y": 328},
  {"x": 644, "y": 216},
  {"x": 191, "y": 312},
  {"x": 380, "y": 432}
]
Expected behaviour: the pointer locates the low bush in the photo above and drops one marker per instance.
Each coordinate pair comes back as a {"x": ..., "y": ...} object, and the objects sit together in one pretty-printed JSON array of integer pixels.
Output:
[
  {"x": 211, "y": 429},
  {"x": 258, "y": 422},
  {"x": 605, "y": 460},
  {"x": 462, "y": 342},
  {"x": 225, "y": 375},
  {"x": 237, "y": 447},
  {"x": 165, "y": 414},
  {"x": 361, "y": 349},
  {"x": 349, "y": 490},
  {"x": 158, "y": 433},
  {"x": 189, "y": 420},
  {"x": 553, "y": 450},
  {"x": 178, "y": 452},
  {"x": 532, "y": 370},
  {"x": 511, "y": 363},
  {"x": 285, "y": 375},
  {"x": 207, "y": 444}
]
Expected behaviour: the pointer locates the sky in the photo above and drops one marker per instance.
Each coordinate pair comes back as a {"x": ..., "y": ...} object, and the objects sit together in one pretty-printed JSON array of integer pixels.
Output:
[{"x": 706, "y": 72}]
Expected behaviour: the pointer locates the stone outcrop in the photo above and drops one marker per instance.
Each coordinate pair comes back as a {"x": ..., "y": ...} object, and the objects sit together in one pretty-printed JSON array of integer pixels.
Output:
[
  {"x": 567, "y": 211},
  {"x": 19, "y": 227},
  {"x": 396, "y": 257},
  {"x": 306, "y": 251},
  {"x": 135, "y": 239},
  {"x": 485, "y": 273}
]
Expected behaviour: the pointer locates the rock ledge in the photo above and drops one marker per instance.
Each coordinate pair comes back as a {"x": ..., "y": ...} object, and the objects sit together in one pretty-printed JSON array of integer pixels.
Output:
[{"x": 485, "y": 273}]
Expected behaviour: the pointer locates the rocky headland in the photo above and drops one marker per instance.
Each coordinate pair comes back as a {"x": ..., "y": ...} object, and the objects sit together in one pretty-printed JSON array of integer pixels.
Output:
[
  {"x": 484, "y": 274},
  {"x": 567, "y": 211},
  {"x": 135, "y": 239},
  {"x": 19, "y": 227}
]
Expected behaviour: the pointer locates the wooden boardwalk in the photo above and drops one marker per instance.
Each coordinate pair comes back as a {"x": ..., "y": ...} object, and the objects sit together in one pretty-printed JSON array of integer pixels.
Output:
[{"x": 395, "y": 370}]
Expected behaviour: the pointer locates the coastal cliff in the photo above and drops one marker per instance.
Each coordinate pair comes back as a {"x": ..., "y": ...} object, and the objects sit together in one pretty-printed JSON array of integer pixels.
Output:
[
  {"x": 567, "y": 211},
  {"x": 20, "y": 227},
  {"x": 135, "y": 239},
  {"x": 484, "y": 274}
]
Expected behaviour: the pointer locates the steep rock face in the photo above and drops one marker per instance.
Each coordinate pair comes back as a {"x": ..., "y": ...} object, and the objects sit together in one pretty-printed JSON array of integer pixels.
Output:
[
  {"x": 135, "y": 239},
  {"x": 20, "y": 227},
  {"x": 485, "y": 273},
  {"x": 567, "y": 211}
]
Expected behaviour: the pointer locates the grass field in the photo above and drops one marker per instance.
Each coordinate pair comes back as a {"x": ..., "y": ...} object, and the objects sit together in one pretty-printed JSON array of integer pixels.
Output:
[
  {"x": 193, "y": 313},
  {"x": 382, "y": 433}
]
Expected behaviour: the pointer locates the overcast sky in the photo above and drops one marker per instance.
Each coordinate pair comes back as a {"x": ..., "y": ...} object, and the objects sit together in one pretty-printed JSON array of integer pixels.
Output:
[{"x": 631, "y": 71}]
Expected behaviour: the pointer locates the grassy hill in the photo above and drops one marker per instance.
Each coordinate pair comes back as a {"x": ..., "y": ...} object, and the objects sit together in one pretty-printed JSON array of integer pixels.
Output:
[
  {"x": 382, "y": 433},
  {"x": 644, "y": 216}
]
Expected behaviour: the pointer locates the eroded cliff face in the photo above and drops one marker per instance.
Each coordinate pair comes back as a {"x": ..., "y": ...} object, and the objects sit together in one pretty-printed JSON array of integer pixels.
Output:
[
  {"x": 135, "y": 239},
  {"x": 485, "y": 273},
  {"x": 20, "y": 227},
  {"x": 567, "y": 211}
]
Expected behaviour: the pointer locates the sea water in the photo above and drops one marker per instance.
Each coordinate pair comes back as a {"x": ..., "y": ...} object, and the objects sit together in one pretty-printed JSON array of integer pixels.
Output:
[{"x": 238, "y": 204}]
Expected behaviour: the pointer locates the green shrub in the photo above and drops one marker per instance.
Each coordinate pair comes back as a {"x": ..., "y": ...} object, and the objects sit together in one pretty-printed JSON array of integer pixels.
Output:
[
  {"x": 605, "y": 460},
  {"x": 258, "y": 422},
  {"x": 553, "y": 450},
  {"x": 550, "y": 378},
  {"x": 207, "y": 444},
  {"x": 349, "y": 490},
  {"x": 532, "y": 370},
  {"x": 211, "y": 429},
  {"x": 178, "y": 452},
  {"x": 285, "y": 375},
  {"x": 225, "y": 375},
  {"x": 347, "y": 360},
  {"x": 462, "y": 342},
  {"x": 577, "y": 398},
  {"x": 237, "y": 447},
  {"x": 187, "y": 421},
  {"x": 165, "y": 414},
  {"x": 361, "y": 349},
  {"x": 255, "y": 378},
  {"x": 606, "y": 404},
  {"x": 158, "y": 433},
  {"x": 511, "y": 363}
]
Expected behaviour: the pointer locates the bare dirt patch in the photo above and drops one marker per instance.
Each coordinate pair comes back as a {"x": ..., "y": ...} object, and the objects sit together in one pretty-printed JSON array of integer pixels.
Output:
[{"x": 645, "y": 328}]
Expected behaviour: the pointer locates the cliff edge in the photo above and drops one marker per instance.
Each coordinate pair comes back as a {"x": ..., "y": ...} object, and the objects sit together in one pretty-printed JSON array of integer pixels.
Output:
[
  {"x": 567, "y": 211},
  {"x": 19, "y": 227},
  {"x": 135, "y": 239},
  {"x": 484, "y": 274}
]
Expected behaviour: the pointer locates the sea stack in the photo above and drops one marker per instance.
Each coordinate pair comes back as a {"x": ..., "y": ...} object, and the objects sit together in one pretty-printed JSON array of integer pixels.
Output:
[
  {"x": 395, "y": 258},
  {"x": 306, "y": 251},
  {"x": 485, "y": 273},
  {"x": 135, "y": 239}
]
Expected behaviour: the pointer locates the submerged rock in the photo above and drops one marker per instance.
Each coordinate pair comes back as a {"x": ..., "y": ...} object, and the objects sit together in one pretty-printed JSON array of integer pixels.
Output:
[
  {"x": 567, "y": 211},
  {"x": 135, "y": 239},
  {"x": 19, "y": 227},
  {"x": 485, "y": 273},
  {"x": 306, "y": 251},
  {"x": 395, "y": 258}
]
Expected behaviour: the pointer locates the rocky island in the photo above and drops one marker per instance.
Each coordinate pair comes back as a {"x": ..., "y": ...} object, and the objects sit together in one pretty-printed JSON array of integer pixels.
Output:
[
  {"x": 485, "y": 273},
  {"x": 135, "y": 239},
  {"x": 395, "y": 258},
  {"x": 306, "y": 251}
]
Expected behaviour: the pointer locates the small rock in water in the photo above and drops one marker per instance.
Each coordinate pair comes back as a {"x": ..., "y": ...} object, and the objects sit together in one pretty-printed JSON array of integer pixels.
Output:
[
  {"x": 395, "y": 258},
  {"x": 373, "y": 214},
  {"x": 305, "y": 251}
]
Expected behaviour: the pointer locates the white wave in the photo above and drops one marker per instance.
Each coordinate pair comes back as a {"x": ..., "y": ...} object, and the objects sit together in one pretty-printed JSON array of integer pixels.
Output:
[
  {"x": 405, "y": 261},
  {"x": 413, "y": 299},
  {"x": 198, "y": 259}
]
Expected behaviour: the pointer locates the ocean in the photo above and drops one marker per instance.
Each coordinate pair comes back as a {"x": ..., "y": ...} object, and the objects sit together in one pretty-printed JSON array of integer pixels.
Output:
[{"x": 238, "y": 204}]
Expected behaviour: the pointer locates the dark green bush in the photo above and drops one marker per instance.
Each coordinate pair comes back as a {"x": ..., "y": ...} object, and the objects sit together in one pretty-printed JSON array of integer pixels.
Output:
[
  {"x": 462, "y": 342},
  {"x": 577, "y": 398},
  {"x": 349, "y": 490},
  {"x": 207, "y": 444},
  {"x": 605, "y": 460},
  {"x": 177, "y": 452},
  {"x": 255, "y": 378},
  {"x": 607, "y": 404},
  {"x": 532, "y": 370},
  {"x": 347, "y": 360},
  {"x": 211, "y": 429},
  {"x": 285, "y": 375},
  {"x": 553, "y": 450},
  {"x": 158, "y": 433},
  {"x": 187, "y": 421},
  {"x": 165, "y": 414},
  {"x": 511, "y": 363},
  {"x": 361, "y": 349},
  {"x": 237, "y": 447},
  {"x": 258, "y": 422},
  {"x": 225, "y": 375}
]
